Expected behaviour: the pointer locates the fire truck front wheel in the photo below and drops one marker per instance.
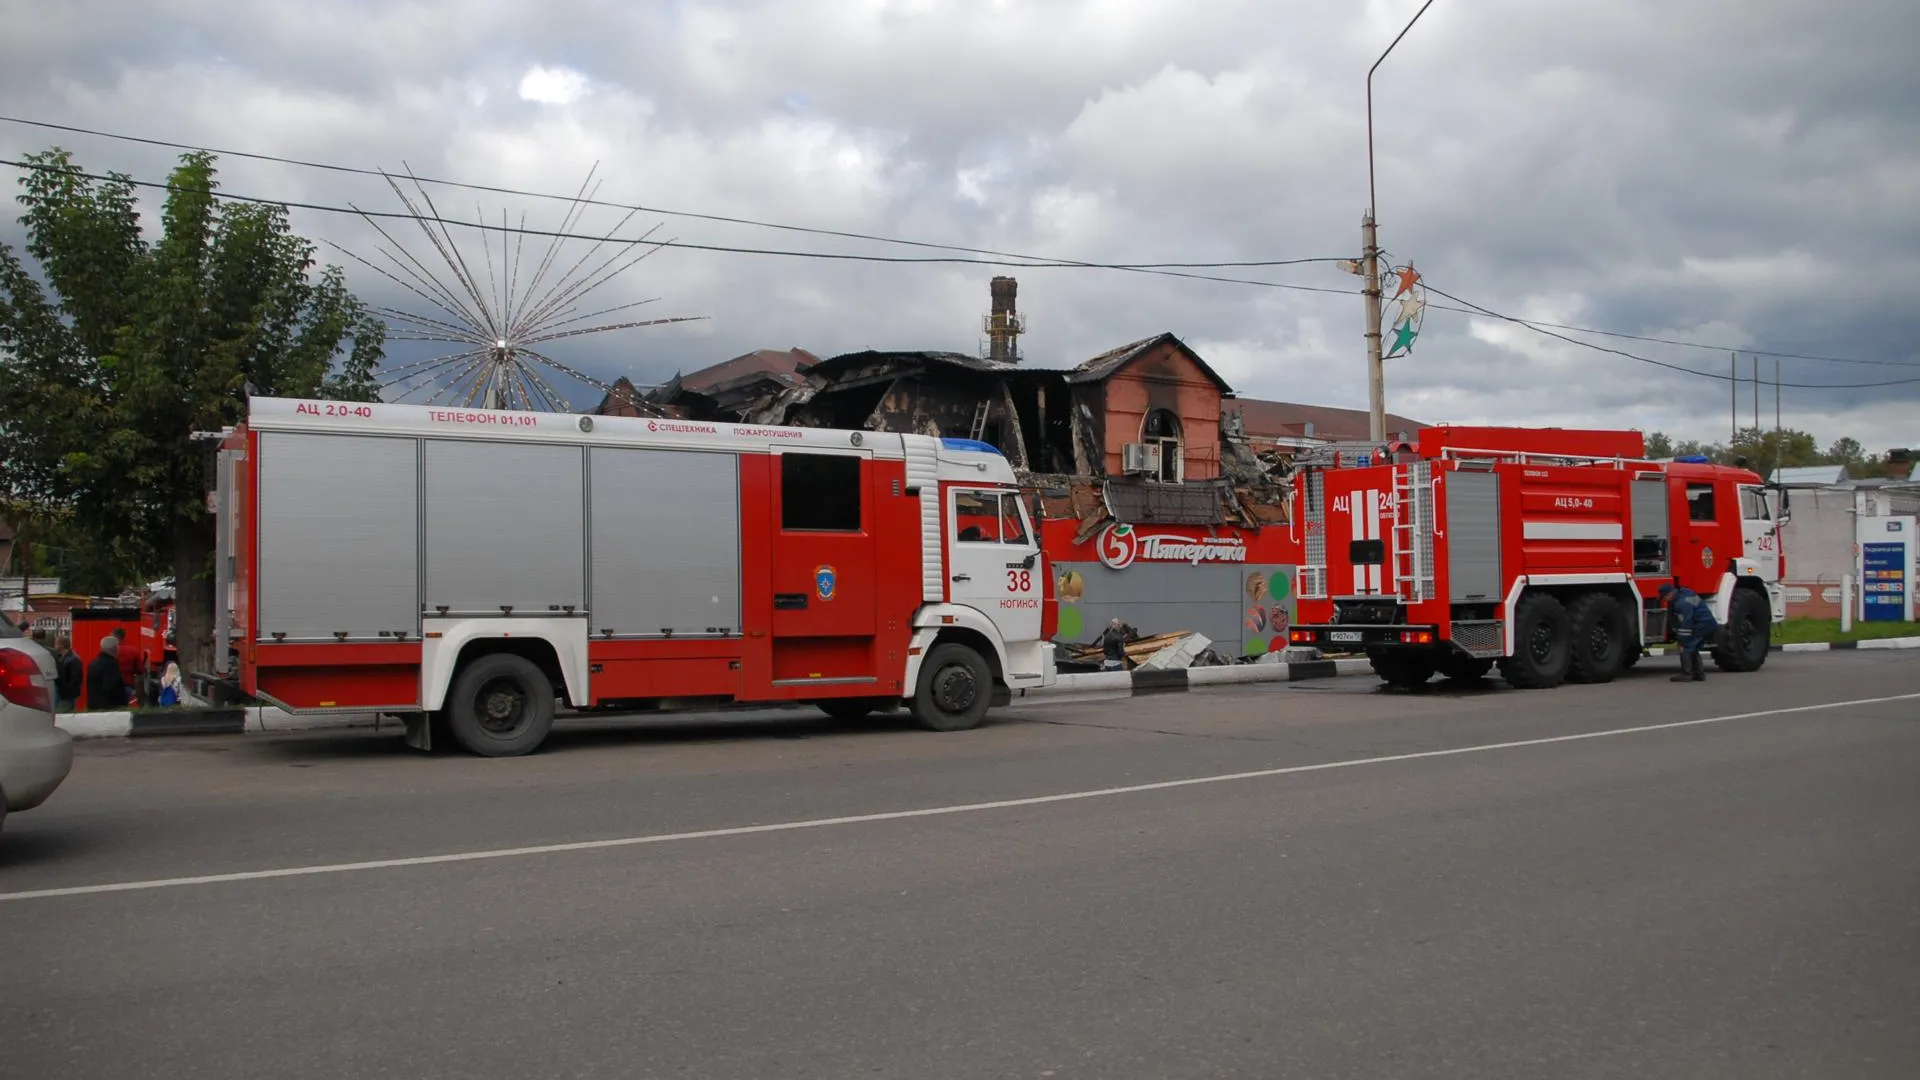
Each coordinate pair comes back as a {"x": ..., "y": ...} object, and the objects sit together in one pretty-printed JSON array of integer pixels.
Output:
[
  {"x": 1543, "y": 644},
  {"x": 956, "y": 687},
  {"x": 500, "y": 705},
  {"x": 1748, "y": 634}
]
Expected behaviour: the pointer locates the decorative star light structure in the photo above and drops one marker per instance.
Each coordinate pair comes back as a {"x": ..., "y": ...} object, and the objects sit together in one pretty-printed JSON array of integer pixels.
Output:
[
  {"x": 1411, "y": 296},
  {"x": 500, "y": 328}
]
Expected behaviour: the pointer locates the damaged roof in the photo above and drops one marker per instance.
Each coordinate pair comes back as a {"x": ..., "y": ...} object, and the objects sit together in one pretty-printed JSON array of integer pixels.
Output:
[
  {"x": 1283, "y": 418},
  {"x": 1111, "y": 361},
  {"x": 782, "y": 364},
  {"x": 827, "y": 369}
]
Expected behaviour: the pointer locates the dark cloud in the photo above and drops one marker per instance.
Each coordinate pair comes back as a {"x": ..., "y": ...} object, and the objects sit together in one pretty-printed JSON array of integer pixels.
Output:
[{"x": 1744, "y": 173}]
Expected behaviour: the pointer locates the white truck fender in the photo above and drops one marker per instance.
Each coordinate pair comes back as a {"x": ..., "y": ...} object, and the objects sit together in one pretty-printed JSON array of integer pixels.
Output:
[
  {"x": 444, "y": 638},
  {"x": 933, "y": 618}
]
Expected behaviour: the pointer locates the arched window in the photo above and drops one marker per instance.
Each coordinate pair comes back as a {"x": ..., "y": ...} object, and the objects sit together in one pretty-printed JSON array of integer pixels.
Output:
[{"x": 1162, "y": 427}]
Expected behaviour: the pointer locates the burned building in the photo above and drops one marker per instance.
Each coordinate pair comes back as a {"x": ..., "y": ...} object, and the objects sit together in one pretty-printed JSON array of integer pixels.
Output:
[
  {"x": 1135, "y": 458},
  {"x": 744, "y": 386}
]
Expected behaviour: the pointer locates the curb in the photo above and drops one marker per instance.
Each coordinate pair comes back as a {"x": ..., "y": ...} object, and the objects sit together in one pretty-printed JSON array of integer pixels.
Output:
[
  {"x": 1107, "y": 685},
  {"x": 1071, "y": 688},
  {"x": 238, "y": 720},
  {"x": 1824, "y": 646}
]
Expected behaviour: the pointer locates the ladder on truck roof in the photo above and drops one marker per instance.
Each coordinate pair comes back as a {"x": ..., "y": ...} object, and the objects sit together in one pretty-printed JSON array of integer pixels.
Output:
[
  {"x": 1413, "y": 531},
  {"x": 1535, "y": 457}
]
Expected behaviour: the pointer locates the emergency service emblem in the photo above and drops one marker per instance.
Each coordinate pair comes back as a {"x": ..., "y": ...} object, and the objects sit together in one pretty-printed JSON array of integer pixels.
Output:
[
  {"x": 824, "y": 580},
  {"x": 1706, "y": 558}
]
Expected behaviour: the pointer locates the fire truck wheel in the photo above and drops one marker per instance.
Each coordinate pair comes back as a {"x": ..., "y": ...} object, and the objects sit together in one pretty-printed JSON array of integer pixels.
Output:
[
  {"x": 1749, "y": 632},
  {"x": 956, "y": 687},
  {"x": 1599, "y": 638},
  {"x": 500, "y": 705},
  {"x": 1543, "y": 634}
]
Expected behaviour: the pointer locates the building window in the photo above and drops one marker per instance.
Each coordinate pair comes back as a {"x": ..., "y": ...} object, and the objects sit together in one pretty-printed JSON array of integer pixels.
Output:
[
  {"x": 820, "y": 493},
  {"x": 1162, "y": 428}
]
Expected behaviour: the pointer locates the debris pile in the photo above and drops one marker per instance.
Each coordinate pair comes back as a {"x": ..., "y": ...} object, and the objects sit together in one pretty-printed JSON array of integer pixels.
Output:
[{"x": 1176, "y": 649}]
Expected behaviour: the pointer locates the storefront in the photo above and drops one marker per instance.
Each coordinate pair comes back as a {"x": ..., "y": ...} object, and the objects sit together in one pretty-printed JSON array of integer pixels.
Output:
[{"x": 1234, "y": 585}]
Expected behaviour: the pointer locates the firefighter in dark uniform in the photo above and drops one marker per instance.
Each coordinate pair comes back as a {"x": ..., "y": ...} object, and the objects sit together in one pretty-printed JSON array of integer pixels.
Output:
[{"x": 1694, "y": 627}]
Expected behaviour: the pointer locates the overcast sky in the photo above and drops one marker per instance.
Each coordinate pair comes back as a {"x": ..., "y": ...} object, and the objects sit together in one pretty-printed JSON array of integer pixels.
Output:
[{"x": 1742, "y": 173}]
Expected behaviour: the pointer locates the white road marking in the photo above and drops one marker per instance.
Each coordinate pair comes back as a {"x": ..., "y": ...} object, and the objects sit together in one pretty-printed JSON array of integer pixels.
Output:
[{"x": 902, "y": 815}]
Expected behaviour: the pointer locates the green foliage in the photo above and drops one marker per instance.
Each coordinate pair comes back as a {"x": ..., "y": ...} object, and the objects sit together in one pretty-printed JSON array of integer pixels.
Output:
[
  {"x": 1765, "y": 450},
  {"x": 123, "y": 346}
]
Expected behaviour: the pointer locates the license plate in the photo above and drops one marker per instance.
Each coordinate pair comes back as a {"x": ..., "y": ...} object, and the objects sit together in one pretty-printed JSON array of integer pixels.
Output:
[{"x": 1344, "y": 635}]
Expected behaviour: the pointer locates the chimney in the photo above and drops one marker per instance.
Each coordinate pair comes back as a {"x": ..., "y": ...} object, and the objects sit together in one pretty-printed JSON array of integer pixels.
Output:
[{"x": 1004, "y": 325}]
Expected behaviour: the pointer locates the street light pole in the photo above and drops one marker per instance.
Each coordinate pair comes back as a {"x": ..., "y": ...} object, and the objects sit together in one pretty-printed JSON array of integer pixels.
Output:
[{"x": 1370, "y": 264}]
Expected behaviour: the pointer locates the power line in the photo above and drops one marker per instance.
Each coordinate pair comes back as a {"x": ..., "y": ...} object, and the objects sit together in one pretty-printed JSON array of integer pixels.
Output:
[
  {"x": 1038, "y": 261},
  {"x": 690, "y": 214},
  {"x": 1692, "y": 344},
  {"x": 1472, "y": 308},
  {"x": 1144, "y": 268}
]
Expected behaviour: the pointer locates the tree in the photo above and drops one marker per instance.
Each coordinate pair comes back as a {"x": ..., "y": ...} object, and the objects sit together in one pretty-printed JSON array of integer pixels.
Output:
[
  {"x": 131, "y": 346},
  {"x": 1659, "y": 445},
  {"x": 1767, "y": 450}
]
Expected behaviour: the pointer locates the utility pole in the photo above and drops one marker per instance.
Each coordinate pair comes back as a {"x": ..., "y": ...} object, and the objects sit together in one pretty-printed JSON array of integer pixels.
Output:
[
  {"x": 1776, "y": 395},
  {"x": 1756, "y": 393},
  {"x": 1370, "y": 258},
  {"x": 1376, "y": 368},
  {"x": 1778, "y": 436},
  {"x": 1732, "y": 383}
]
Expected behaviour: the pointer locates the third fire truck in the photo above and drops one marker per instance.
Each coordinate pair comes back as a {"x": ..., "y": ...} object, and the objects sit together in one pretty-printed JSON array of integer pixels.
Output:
[{"x": 1540, "y": 551}]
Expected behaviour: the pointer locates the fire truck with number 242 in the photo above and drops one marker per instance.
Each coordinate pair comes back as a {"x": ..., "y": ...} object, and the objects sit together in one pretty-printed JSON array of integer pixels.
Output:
[
  {"x": 469, "y": 569},
  {"x": 1539, "y": 550}
]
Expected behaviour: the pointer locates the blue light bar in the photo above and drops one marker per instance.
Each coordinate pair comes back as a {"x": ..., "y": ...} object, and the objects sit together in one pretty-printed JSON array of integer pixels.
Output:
[
  {"x": 1694, "y": 459},
  {"x": 971, "y": 444}
]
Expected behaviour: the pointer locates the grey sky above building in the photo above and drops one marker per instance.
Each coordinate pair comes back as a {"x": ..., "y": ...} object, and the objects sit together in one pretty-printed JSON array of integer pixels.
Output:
[{"x": 1741, "y": 174}]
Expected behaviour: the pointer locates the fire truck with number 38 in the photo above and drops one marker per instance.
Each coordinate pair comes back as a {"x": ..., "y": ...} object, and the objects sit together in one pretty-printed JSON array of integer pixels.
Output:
[
  {"x": 470, "y": 570},
  {"x": 1541, "y": 551}
]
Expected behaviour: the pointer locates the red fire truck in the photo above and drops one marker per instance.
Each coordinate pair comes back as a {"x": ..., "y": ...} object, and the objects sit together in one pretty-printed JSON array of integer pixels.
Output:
[
  {"x": 1539, "y": 550},
  {"x": 465, "y": 569}
]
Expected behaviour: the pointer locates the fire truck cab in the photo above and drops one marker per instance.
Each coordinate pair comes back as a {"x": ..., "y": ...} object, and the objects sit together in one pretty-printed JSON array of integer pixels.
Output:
[
  {"x": 1541, "y": 551},
  {"x": 469, "y": 569}
]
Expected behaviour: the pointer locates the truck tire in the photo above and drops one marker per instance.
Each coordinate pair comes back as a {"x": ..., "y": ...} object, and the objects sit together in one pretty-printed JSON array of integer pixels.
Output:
[
  {"x": 1543, "y": 635},
  {"x": 1461, "y": 668},
  {"x": 956, "y": 687},
  {"x": 1405, "y": 670},
  {"x": 500, "y": 705},
  {"x": 1599, "y": 639},
  {"x": 1748, "y": 634}
]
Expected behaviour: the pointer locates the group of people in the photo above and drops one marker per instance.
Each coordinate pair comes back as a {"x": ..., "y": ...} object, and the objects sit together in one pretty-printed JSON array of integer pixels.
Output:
[{"x": 111, "y": 681}]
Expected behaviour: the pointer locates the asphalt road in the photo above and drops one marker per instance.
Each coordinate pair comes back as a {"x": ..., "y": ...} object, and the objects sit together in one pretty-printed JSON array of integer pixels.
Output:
[{"x": 1734, "y": 898}]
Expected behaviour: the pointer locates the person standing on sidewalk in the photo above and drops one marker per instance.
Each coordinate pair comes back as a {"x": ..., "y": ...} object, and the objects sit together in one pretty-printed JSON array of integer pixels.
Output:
[
  {"x": 70, "y": 675},
  {"x": 1694, "y": 627},
  {"x": 106, "y": 687},
  {"x": 1113, "y": 647}
]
